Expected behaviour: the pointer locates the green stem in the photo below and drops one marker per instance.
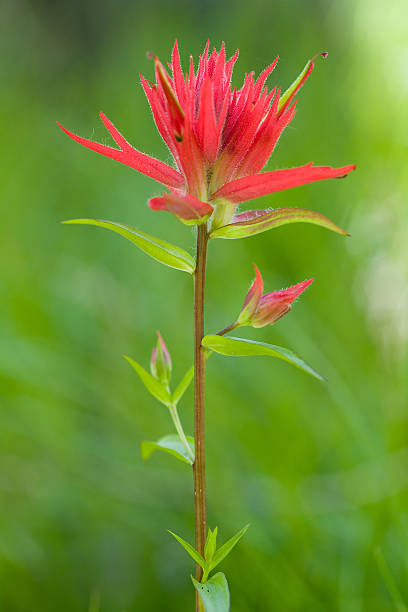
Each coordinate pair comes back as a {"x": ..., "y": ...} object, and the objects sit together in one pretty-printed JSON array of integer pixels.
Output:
[
  {"x": 179, "y": 428},
  {"x": 199, "y": 407}
]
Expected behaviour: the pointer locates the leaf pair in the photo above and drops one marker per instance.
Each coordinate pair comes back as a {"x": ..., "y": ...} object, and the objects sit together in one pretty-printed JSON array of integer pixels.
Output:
[
  {"x": 158, "y": 389},
  {"x": 180, "y": 445},
  {"x": 212, "y": 556}
]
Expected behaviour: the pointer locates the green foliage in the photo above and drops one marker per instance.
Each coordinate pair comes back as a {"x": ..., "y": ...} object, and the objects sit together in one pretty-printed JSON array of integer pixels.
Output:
[
  {"x": 212, "y": 556},
  {"x": 185, "y": 383},
  {"x": 240, "y": 347},
  {"x": 210, "y": 546},
  {"x": 160, "y": 250},
  {"x": 214, "y": 593},
  {"x": 154, "y": 386},
  {"x": 226, "y": 548},
  {"x": 182, "y": 386},
  {"x": 170, "y": 444},
  {"x": 273, "y": 219},
  {"x": 194, "y": 554}
]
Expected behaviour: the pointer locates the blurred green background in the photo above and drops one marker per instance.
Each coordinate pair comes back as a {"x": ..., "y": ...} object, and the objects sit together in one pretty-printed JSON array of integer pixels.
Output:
[{"x": 319, "y": 470}]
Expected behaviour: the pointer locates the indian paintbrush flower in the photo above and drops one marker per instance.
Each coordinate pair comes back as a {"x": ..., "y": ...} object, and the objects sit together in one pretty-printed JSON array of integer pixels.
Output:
[
  {"x": 160, "y": 363},
  {"x": 261, "y": 309},
  {"x": 220, "y": 138}
]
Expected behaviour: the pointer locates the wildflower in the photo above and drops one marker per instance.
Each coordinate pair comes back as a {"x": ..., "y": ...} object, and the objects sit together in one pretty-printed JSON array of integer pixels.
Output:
[
  {"x": 220, "y": 138},
  {"x": 260, "y": 309},
  {"x": 160, "y": 363}
]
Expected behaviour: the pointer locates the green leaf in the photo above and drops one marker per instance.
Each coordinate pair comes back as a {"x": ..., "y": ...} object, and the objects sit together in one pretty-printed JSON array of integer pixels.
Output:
[
  {"x": 182, "y": 386},
  {"x": 222, "y": 552},
  {"x": 210, "y": 547},
  {"x": 155, "y": 387},
  {"x": 238, "y": 347},
  {"x": 184, "y": 383},
  {"x": 257, "y": 221},
  {"x": 214, "y": 593},
  {"x": 162, "y": 251},
  {"x": 170, "y": 444},
  {"x": 191, "y": 551}
]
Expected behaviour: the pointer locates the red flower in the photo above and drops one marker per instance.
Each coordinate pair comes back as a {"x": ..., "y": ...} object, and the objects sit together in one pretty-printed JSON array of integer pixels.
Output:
[
  {"x": 220, "y": 138},
  {"x": 259, "y": 310}
]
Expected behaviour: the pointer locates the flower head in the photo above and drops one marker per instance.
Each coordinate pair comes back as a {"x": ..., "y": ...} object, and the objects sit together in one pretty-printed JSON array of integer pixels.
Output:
[
  {"x": 160, "y": 363},
  {"x": 220, "y": 137},
  {"x": 260, "y": 309}
]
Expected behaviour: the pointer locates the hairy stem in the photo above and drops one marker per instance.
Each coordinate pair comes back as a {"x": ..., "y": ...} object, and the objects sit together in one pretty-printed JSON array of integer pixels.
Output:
[{"x": 199, "y": 407}]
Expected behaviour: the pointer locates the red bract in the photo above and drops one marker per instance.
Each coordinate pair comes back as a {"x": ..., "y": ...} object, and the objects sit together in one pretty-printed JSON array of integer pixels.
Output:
[
  {"x": 220, "y": 137},
  {"x": 259, "y": 310}
]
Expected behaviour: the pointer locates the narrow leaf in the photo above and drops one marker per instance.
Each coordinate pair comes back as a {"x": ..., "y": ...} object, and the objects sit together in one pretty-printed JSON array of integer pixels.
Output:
[
  {"x": 214, "y": 593},
  {"x": 162, "y": 251},
  {"x": 255, "y": 222},
  {"x": 226, "y": 548},
  {"x": 238, "y": 347},
  {"x": 155, "y": 387},
  {"x": 170, "y": 444},
  {"x": 184, "y": 383},
  {"x": 191, "y": 551},
  {"x": 183, "y": 386},
  {"x": 210, "y": 547}
]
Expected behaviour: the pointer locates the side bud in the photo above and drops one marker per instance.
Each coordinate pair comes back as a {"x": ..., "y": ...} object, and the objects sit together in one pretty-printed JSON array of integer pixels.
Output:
[
  {"x": 273, "y": 306},
  {"x": 260, "y": 309},
  {"x": 160, "y": 363}
]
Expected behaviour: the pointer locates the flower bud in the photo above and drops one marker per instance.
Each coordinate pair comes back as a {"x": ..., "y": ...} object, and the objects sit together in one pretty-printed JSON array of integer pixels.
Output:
[
  {"x": 259, "y": 310},
  {"x": 160, "y": 363},
  {"x": 273, "y": 306}
]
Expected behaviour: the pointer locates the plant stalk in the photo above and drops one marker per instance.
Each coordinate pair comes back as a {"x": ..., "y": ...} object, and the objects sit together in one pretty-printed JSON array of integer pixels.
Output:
[
  {"x": 199, "y": 401},
  {"x": 179, "y": 428}
]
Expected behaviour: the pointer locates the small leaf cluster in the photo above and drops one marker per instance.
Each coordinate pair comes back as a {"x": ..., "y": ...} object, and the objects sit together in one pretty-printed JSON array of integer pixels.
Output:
[{"x": 212, "y": 556}]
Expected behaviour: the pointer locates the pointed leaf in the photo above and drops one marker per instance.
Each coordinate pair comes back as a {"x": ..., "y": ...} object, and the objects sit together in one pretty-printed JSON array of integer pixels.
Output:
[
  {"x": 256, "y": 221},
  {"x": 210, "y": 547},
  {"x": 239, "y": 347},
  {"x": 183, "y": 386},
  {"x": 184, "y": 383},
  {"x": 161, "y": 251},
  {"x": 191, "y": 551},
  {"x": 170, "y": 444},
  {"x": 214, "y": 593},
  {"x": 155, "y": 387},
  {"x": 226, "y": 548}
]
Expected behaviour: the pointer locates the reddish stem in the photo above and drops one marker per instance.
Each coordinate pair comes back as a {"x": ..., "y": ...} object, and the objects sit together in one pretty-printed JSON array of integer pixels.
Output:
[{"x": 199, "y": 401}]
